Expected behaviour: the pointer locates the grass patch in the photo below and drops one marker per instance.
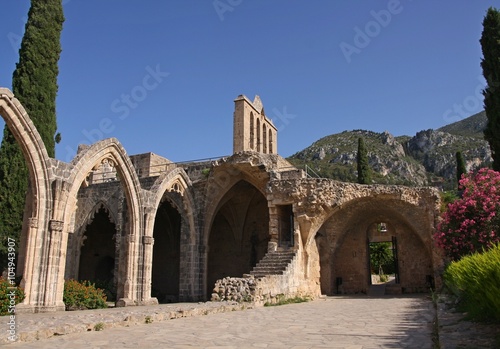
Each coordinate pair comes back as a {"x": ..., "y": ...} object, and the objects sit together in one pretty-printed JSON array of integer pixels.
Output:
[
  {"x": 282, "y": 300},
  {"x": 99, "y": 326}
]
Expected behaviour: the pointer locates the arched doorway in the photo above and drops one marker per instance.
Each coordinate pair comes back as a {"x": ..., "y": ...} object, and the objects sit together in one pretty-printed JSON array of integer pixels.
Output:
[
  {"x": 97, "y": 254},
  {"x": 166, "y": 254},
  {"x": 348, "y": 241},
  {"x": 239, "y": 233}
]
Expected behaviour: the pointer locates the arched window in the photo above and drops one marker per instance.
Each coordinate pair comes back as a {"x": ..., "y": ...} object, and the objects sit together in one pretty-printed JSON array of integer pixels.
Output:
[
  {"x": 252, "y": 131},
  {"x": 258, "y": 134},
  {"x": 270, "y": 142},
  {"x": 264, "y": 137}
]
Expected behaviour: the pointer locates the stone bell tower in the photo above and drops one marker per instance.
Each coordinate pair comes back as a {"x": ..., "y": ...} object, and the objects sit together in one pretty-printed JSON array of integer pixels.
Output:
[{"x": 253, "y": 131}]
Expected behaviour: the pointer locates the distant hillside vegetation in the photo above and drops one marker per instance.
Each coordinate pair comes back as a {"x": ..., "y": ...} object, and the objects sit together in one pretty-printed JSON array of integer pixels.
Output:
[
  {"x": 472, "y": 126},
  {"x": 428, "y": 158}
]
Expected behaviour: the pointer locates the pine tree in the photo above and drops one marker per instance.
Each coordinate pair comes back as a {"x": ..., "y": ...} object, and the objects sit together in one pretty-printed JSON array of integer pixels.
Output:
[
  {"x": 461, "y": 169},
  {"x": 34, "y": 83},
  {"x": 490, "y": 44},
  {"x": 364, "y": 172}
]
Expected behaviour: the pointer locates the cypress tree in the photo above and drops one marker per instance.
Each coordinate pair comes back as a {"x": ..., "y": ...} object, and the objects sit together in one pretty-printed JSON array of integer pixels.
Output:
[
  {"x": 364, "y": 173},
  {"x": 34, "y": 83},
  {"x": 460, "y": 166},
  {"x": 490, "y": 44}
]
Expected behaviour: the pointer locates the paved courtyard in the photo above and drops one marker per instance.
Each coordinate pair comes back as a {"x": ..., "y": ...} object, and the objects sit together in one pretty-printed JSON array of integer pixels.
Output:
[{"x": 334, "y": 322}]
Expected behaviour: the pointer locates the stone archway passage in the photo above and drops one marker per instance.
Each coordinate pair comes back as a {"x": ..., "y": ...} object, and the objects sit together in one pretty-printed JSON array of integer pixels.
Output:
[
  {"x": 239, "y": 234},
  {"x": 97, "y": 256},
  {"x": 166, "y": 254}
]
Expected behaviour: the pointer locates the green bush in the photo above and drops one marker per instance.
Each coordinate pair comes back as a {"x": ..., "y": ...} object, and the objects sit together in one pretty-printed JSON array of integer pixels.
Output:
[
  {"x": 83, "y": 295},
  {"x": 7, "y": 291},
  {"x": 475, "y": 279}
]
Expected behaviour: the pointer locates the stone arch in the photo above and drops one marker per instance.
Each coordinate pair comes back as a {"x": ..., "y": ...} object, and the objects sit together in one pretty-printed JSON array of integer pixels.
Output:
[
  {"x": 342, "y": 243},
  {"x": 270, "y": 139},
  {"x": 32, "y": 258},
  {"x": 176, "y": 188},
  {"x": 252, "y": 131},
  {"x": 239, "y": 233},
  {"x": 131, "y": 241},
  {"x": 258, "y": 134},
  {"x": 264, "y": 138},
  {"x": 176, "y": 180},
  {"x": 76, "y": 239},
  {"x": 219, "y": 186},
  {"x": 97, "y": 249}
]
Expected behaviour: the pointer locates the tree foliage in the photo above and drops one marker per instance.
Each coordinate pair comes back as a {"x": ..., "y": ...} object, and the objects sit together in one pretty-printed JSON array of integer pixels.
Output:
[
  {"x": 364, "y": 172},
  {"x": 490, "y": 44},
  {"x": 472, "y": 222},
  {"x": 34, "y": 83},
  {"x": 461, "y": 169}
]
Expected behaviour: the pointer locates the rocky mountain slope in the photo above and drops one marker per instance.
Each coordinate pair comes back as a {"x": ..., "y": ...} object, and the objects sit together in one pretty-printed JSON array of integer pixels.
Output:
[{"x": 428, "y": 158}]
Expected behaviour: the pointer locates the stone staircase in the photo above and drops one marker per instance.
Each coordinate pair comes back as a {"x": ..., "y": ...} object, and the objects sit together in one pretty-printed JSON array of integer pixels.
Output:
[{"x": 273, "y": 263}]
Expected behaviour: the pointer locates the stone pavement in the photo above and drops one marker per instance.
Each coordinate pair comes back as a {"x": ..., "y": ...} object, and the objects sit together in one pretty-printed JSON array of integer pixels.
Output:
[{"x": 354, "y": 322}]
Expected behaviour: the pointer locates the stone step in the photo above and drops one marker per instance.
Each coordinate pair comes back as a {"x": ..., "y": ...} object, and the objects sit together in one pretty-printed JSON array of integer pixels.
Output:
[
  {"x": 273, "y": 263},
  {"x": 269, "y": 270}
]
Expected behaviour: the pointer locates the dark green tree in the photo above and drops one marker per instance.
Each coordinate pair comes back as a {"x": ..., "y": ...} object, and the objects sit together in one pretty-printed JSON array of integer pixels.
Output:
[
  {"x": 460, "y": 166},
  {"x": 364, "y": 172},
  {"x": 34, "y": 83},
  {"x": 490, "y": 44}
]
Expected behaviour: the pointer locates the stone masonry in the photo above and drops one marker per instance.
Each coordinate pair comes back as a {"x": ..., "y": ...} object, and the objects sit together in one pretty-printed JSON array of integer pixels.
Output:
[{"x": 157, "y": 231}]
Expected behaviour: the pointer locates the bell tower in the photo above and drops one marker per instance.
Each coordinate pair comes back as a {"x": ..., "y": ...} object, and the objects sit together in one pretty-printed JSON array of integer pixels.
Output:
[{"x": 252, "y": 130}]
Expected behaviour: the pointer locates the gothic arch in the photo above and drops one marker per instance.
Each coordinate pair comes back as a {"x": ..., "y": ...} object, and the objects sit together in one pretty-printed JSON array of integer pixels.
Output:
[
  {"x": 81, "y": 165},
  {"x": 34, "y": 233},
  {"x": 216, "y": 192},
  {"x": 176, "y": 180},
  {"x": 239, "y": 233}
]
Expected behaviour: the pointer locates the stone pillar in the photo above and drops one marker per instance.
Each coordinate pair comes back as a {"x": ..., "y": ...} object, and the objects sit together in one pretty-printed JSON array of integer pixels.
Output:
[
  {"x": 273, "y": 227},
  {"x": 54, "y": 286},
  {"x": 29, "y": 282},
  {"x": 147, "y": 247},
  {"x": 127, "y": 282}
]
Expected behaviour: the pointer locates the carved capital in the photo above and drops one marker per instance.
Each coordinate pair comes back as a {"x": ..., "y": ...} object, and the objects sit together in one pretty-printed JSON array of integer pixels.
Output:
[
  {"x": 128, "y": 239},
  {"x": 33, "y": 222},
  {"x": 148, "y": 240},
  {"x": 56, "y": 225}
]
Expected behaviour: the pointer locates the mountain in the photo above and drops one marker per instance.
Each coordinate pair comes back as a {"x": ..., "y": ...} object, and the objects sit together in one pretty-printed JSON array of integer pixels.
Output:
[
  {"x": 428, "y": 158},
  {"x": 472, "y": 126}
]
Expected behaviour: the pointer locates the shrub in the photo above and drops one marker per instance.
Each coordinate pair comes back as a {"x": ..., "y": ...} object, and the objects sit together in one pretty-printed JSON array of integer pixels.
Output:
[
  {"x": 472, "y": 223},
  {"x": 6, "y": 289},
  {"x": 83, "y": 295},
  {"x": 475, "y": 280}
]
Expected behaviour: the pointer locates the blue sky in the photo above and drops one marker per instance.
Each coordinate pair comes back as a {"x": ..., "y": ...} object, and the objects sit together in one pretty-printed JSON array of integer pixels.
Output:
[{"x": 161, "y": 76}]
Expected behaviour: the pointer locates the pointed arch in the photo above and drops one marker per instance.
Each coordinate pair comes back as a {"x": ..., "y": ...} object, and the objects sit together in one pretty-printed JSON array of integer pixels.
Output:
[
  {"x": 81, "y": 165},
  {"x": 34, "y": 250},
  {"x": 239, "y": 233},
  {"x": 252, "y": 131},
  {"x": 258, "y": 134}
]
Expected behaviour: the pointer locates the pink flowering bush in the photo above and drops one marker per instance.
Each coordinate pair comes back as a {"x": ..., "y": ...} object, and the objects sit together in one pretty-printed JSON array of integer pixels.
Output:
[{"x": 472, "y": 223}]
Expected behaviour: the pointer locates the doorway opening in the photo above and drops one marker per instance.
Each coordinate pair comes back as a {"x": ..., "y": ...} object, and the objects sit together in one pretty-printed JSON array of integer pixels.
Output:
[{"x": 383, "y": 262}]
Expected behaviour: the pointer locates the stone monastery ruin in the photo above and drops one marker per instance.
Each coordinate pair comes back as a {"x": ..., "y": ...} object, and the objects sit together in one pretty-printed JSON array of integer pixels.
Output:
[{"x": 159, "y": 231}]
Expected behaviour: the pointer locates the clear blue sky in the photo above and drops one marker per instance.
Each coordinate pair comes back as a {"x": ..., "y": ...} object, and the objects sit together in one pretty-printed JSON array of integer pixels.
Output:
[{"x": 161, "y": 76}]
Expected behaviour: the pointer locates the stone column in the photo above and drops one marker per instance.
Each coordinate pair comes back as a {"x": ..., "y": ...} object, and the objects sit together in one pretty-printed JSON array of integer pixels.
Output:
[
  {"x": 29, "y": 282},
  {"x": 126, "y": 281},
  {"x": 273, "y": 229},
  {"x": 147, "y": 247},
  {"x": 54, "y": 287}
]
